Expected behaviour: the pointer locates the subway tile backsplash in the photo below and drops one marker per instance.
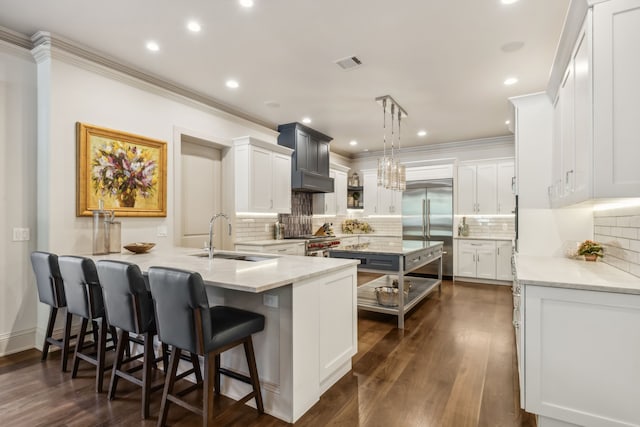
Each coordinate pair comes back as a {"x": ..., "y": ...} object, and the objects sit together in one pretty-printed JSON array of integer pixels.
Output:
[
  {"x": 488, "y": 225},
  {"x": 618, "y": 231}
]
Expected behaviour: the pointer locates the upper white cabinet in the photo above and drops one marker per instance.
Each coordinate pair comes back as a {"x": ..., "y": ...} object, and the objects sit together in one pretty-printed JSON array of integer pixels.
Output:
[
  {"x": 379, "y": 200},
  {"x": 596, "y": 108},
  {"x": 333, "y": 203},
  {"x": 262, "y": 176},
  {"x": 486, "y": 187}
]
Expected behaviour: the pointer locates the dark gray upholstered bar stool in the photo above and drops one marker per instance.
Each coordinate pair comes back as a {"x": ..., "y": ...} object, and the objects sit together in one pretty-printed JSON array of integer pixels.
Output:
[
  {"x": 84, "y": 299},
  {"x": 51, "y": 292},
  {"x": 128, "y": 306},
  {"x": 186, "y": 322}
]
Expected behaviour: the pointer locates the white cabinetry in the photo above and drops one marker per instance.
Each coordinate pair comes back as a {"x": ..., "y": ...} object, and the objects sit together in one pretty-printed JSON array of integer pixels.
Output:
[
  {"x": 595, "y": 110},
  {"x": 580, "y": 361},
  {"x": 333, "y": 203},
  {"x": 378, "y": 200},
  {"x": 503, "y": 260},
  {"x": 262, "y": 176},
  {"x": 486, "y": 187},
  {"x": 281, "y": 249},
  {"x": 477, "y": 259}
]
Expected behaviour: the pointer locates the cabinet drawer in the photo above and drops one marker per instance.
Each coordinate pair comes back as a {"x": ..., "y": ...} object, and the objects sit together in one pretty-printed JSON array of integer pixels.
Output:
[
  {"x": 372, "y": 261},
  {"x": 413, "y": 260},
  {"x": 476, "y": 244}
]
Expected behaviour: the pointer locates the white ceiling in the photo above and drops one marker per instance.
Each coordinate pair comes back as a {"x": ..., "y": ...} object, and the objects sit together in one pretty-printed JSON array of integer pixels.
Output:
[{"x": 440, "y": 59}]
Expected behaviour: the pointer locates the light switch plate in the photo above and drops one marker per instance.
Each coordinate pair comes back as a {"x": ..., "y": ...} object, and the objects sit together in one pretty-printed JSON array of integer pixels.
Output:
[
  {"x": 162, "y": 231},
  {"x": 21, "y": 234}
]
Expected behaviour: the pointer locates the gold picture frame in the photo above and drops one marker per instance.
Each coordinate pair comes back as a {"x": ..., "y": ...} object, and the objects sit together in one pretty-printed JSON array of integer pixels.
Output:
[{"x": 127, "y": 172}]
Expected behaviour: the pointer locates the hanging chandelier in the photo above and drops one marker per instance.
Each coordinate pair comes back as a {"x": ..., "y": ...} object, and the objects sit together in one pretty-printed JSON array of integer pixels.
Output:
[{"x": 391, "y": 174}]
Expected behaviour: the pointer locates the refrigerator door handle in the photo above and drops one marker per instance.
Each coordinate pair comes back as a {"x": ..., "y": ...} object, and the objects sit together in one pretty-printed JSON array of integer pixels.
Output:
[
  {"x": 428, "y": 218},
  {"x": 424, "y": 216}
]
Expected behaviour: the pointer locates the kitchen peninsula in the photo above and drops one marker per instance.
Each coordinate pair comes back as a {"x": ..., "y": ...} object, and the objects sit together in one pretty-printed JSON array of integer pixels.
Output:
[{"x": 311, "y": 318}]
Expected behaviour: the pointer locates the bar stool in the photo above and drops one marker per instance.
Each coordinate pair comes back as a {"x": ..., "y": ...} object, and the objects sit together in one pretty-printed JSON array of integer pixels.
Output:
[
  {"x": 84, "y": 299},
  {"x": 51, "y": 292},
  {"x": 186, "y": 322},
  {"x": 129, "y": 308}
]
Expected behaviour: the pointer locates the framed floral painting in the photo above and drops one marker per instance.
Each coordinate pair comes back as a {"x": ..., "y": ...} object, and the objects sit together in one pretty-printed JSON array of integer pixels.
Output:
[{"x": 127, "y": 172}]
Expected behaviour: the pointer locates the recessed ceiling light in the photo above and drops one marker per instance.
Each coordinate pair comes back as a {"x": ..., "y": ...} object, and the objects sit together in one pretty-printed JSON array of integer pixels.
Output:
[
  {"x": 153, "y": 46},
  {"x": 246, "y": 3},
  {"x": 354, "y": 142},
  {"x": 194, "y": 26},
  {"x": 306, "y": 120},
  {"x": 507, "y": 122},
  {"x": 422, "y": 133},
  {"x": 232, "y": 84},
  {"x": 366, "y": 149},
  {"x": 512, "y": 46},
  {"x": 510, "y": 81},
  {"x": 508, "y": 1}
]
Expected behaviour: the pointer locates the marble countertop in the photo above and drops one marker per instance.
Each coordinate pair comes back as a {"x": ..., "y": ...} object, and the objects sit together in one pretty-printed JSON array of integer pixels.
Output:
[
  {"x": 501, "y": 238},
  {"x": 277, "y": 271},
  {"x": 575, "y": 274},
  {"x": 393, "y": 247},
  {"x": 271, "y": 242}
]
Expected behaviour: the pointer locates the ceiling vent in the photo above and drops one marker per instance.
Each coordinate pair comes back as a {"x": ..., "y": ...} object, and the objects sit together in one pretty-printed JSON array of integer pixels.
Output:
[{"x": 349, "y": 63}]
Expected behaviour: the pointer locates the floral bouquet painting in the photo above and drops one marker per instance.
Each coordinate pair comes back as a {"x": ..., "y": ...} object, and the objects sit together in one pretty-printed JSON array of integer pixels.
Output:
[{"x": 126, "y": 172}]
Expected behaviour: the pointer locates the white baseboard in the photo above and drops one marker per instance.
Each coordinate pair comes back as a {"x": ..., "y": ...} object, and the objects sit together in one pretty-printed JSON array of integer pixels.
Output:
[
  {"x": 14, "y": 342},
  {"x": 482, "y": 281}
]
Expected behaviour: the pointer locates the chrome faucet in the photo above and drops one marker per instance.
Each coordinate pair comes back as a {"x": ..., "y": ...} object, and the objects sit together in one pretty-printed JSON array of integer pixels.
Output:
[{"x": 213, "y": 219}]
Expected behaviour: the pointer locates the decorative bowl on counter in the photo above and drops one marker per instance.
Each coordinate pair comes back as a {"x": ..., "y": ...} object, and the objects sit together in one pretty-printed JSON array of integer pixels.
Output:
[
  {"x": 139, "y": 247},
  {"x": 388, "y": 296}
]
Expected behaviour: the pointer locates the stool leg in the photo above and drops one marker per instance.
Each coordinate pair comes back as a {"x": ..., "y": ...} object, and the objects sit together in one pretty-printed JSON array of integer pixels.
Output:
[
  {"x": 196, "y": 367},
  {"x": 207, "y": 390},
  {"x": 253, "y": 373},
  {"x": 168, "y": 386},
  {"x": 79, "y": 345},
  {"x": 102, "y": 341},
  {"x": 147, "y": 362},
  {"x": 217, "y": 374},
  {"x": 165, "y": 357},
  {"x": 94, "y": 331},
  {"x": 113, "y": 385},
  {"x": 65, "y": 341},
  {"x": 49, "y": 333}
]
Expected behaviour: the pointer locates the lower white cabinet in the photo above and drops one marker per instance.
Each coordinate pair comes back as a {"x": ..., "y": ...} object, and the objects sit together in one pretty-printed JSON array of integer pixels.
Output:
[
  {"x": 281, "y": 249},
  {"x": 503, "y": 260},
  {"x": 477, "y": 259},
  {"x": 581, "y": 351}
]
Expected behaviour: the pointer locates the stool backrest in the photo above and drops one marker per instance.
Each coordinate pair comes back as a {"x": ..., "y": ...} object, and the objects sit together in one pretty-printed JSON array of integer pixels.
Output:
[
  {"x": 126, "y": 299},
  {"x": 48, "y": 278},
  {"x": 177, "y": 296},
  {"x": 81, "y": 286}
]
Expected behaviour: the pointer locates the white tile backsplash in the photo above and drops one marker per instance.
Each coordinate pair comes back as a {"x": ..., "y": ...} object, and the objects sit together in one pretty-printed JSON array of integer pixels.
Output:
[
  {"x": 618, "y": 230},
  {"x": 488, "y": 225}
]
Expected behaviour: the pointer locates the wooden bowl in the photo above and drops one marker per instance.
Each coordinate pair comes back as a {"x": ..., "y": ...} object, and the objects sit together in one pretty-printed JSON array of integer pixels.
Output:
[{"x": 139, "y": 247}]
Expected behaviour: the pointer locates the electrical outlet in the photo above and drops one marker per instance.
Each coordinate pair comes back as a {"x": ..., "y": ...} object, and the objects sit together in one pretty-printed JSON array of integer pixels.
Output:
[
  {"x": 270, "y": 300},
  {"x": 162, "y": 231},
  {"x": 21, "y": 234}
]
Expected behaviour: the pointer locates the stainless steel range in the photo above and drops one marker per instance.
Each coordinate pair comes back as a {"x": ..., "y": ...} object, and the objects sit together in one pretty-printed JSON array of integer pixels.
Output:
[{"x": 318, "y": 246}]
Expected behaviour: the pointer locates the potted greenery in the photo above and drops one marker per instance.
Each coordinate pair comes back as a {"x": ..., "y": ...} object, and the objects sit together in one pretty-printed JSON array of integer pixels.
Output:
[
  {"x": 356, "y": 199},
  {"x": 590, "y": 249}
]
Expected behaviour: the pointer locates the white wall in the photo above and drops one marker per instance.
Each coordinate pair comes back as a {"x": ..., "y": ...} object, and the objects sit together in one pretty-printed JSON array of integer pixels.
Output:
[{"x": 17, "y": 196}]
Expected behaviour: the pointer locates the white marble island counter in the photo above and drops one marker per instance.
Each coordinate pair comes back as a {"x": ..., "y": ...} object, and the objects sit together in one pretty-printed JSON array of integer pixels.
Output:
[
  {"x": 247, "y": 276},
  {"x": 310, "y": 307}
]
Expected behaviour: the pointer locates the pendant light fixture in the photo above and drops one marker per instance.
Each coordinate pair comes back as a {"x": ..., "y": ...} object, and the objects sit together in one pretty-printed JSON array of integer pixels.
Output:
[{"x": 391, "y": 174}]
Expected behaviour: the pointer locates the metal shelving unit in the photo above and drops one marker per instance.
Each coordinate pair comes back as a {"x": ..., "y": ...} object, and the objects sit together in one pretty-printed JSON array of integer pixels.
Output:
[{"x": 420, "y": 289}]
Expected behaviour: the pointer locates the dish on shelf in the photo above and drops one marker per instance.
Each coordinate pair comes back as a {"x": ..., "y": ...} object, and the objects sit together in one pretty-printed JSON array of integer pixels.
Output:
[
  {"x": 388, "y": 296},
  {"x": 139, "y": 247}
]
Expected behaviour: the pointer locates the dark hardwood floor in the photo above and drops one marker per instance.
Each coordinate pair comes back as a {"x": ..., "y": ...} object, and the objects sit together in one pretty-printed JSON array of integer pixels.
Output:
[{"x": 453, "y": 365}]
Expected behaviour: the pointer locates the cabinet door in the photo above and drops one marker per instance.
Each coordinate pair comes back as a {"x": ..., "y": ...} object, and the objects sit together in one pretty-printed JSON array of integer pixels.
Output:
[
  {"x": 312, "y": 154},
  {"x": 503, "y": 261},
  {"x": 322, "y": 158},
  {"x": 466, "y": 260},
  {"x": 486, "y": 194},
  {"x": 506, "y": 178},
  {"x": 340, "y": 194},
  {"x": 370, "y": 190},
  {"x": 555, "y": 188},
  {"x": 281, "y": 190},
  {"x": 486, "y": 261},
  {"x": 260, "y": 197},
  {"x": 568, "y": 149},
  {"x": 466, "y": 190},
  {"x": 302, "y": 148},
  {"x": 582, "y": 108}
]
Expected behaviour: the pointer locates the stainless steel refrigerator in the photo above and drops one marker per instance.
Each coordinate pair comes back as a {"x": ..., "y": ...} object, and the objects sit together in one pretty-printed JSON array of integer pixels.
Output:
[{"x": 427, "y": 214}]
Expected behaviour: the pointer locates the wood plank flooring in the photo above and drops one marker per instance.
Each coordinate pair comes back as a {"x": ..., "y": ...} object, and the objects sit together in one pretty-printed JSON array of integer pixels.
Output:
[{"x": 453, "y": 365}]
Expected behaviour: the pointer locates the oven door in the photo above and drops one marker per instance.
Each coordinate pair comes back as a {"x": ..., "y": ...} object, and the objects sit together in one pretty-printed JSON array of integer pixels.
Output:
[{"x": 318, "y": 252}]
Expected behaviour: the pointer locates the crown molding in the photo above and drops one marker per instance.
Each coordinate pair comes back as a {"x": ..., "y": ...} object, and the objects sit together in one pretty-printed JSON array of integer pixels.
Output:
[
  {"x": 44, "y": 46},
  {"x": 485, "y": 143},
  {"x": 15, "y": 38}
]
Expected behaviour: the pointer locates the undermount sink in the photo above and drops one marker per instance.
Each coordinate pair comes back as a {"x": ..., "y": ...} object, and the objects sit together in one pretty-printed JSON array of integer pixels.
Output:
[{"x": 237, "y": 257}]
